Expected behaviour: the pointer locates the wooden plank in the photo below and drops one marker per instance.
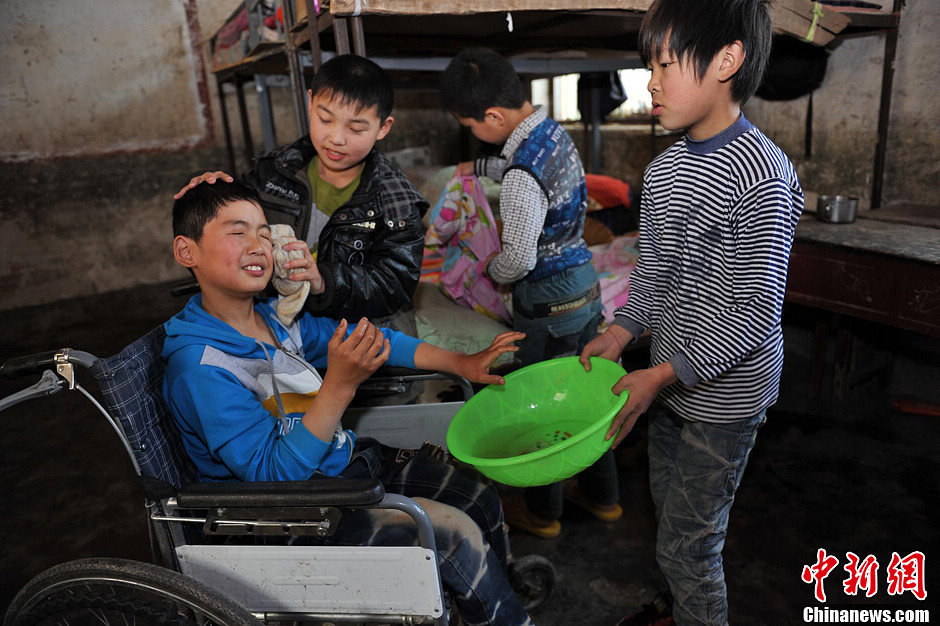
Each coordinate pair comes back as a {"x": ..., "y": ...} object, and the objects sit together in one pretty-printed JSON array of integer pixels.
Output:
[
  {"x": 787, "y": 22},
  {"x": 461, "y": 7},
  {"x": 833, "y": 21},
  {"x": 270, "y": 61},
  {"x": 793, "y": 17},
  {"x": 873, "y": 20}
]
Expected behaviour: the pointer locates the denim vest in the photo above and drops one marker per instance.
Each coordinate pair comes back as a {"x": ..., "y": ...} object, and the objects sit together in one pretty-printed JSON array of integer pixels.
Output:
[{"x": 549, "y": 155}]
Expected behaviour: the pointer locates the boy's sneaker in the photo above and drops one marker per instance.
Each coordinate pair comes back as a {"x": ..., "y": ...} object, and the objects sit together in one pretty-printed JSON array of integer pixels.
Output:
[
  {"x": 656, "y": 613},
  {"x": 518, "y": 516},
  {"x": 662, "y": 621},
  {"x": 605, "y": 513}
]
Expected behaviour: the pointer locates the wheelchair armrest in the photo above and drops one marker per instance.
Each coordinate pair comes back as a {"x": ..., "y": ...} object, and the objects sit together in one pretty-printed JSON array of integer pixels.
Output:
[
  {"x": 388, "y": 371},
  {"x": 318, "y": 492},
  {"x": 407, "y": 374}
]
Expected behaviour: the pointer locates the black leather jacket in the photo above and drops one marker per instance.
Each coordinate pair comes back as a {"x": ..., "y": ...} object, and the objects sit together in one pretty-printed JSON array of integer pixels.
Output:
[{"x": 369, "y": 253}]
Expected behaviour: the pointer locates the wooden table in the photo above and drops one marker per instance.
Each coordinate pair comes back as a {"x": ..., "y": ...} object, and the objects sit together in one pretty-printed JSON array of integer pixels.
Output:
[
  {"x": 882, "y": 271},
  {"x": 876, "y": 270}
]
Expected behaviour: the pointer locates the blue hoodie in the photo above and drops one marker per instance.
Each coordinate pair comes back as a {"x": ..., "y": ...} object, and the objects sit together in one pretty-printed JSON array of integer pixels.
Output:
[{"x": 238, "y": 402}]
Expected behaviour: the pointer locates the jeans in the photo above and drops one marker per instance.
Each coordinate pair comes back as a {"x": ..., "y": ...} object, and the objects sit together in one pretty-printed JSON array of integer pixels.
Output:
[
  {"x": 557, "y": 335},
  {"x": 472, "y": 544},
  {"x": 695, "y": 469},
  {"x": 599, "y": 483}
]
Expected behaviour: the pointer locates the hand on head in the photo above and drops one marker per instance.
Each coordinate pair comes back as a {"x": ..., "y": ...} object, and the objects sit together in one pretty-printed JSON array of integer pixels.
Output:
[{"x": 208, "y": 177}]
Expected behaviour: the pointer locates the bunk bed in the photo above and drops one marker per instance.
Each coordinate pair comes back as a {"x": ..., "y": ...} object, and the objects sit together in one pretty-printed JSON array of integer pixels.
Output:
[{"x": 414, "y": 40}]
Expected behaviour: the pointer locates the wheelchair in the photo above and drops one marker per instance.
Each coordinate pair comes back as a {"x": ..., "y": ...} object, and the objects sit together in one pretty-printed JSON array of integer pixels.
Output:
[{"x": 226, "y": 553}]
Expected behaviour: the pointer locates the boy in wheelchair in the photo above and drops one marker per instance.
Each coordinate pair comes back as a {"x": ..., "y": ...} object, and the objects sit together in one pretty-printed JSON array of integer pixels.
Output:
[{"x": 242, "y": 388}]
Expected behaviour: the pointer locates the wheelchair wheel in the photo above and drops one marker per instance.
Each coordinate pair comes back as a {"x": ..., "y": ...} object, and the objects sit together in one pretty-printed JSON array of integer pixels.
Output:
[
  {"x": 118, "y": 591},
  {"x": 532, "y": 578}
]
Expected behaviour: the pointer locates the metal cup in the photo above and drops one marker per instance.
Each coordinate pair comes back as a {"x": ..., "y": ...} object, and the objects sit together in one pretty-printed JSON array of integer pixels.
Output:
[{"x": 837, "y": 209}]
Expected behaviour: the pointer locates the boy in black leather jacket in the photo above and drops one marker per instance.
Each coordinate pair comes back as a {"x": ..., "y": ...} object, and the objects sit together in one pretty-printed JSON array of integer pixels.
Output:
[{"x": 348, "y": 204}]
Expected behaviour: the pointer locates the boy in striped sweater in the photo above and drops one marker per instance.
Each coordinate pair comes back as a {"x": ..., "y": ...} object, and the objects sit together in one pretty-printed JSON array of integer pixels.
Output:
[{"x": 719, "y": 211}]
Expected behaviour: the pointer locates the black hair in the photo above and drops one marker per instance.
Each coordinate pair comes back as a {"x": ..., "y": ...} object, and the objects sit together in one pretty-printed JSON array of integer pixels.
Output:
[
  {"x": 200, "y": 204},
  {"x": 478, "y": 79},
  {"x": 355, "y": 80},
  {"x": 697, "y": 30}
]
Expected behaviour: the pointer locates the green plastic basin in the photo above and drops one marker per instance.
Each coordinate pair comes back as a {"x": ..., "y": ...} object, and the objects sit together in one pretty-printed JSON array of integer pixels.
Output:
[{"x": 547, "y": 423}]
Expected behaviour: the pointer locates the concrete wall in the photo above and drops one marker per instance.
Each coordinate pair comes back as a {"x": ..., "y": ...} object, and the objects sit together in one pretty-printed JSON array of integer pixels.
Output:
[
  {"x": 86, "y": 77},
  {"x": 845, "y": 120},
  {"x": 107, "y": 104},
  {"x": 845, "y": 116},
  {"x": 108, "y": 110}
]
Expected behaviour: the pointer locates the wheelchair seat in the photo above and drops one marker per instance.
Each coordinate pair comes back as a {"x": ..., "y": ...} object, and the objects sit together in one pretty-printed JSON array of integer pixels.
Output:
[{"x": 131, "y": 385}]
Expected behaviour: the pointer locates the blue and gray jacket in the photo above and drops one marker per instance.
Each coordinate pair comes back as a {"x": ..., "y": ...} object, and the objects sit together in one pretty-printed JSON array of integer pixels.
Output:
[{"x": 238, "y": 402}]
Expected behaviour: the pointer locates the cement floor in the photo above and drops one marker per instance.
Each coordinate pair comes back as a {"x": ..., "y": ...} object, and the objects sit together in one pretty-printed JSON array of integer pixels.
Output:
[{"x": 858, "y": 477}]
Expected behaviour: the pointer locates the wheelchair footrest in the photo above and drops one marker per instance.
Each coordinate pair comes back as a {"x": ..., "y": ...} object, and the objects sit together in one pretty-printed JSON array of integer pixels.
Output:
[{"x": 321, "y": 580}]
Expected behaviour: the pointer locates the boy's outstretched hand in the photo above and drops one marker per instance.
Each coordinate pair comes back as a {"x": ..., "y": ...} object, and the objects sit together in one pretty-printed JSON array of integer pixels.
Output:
[
  {"x": 476, "y": 367},
  {"x": 208, "y": 177},
  {"x": 473, "y": 367},
  {"x": 353, "y": 359}
]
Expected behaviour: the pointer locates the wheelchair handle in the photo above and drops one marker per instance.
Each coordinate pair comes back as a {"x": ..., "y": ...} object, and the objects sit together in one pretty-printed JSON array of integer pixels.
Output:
[
  {"x": 36, "y": 363},
  {"x": 26, "y": 365},
  {"x": 48, "y": 385},
  {"x": 184, "y": 287}
]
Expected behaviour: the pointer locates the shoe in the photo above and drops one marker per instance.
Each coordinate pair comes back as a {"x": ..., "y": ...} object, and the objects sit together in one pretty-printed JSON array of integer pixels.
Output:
[
  {"x": 662, "y": 621},
  {"x": 517, "y": 515},
  {"x": 656, "y": 613},
  {"x": 605, "y": 513}
]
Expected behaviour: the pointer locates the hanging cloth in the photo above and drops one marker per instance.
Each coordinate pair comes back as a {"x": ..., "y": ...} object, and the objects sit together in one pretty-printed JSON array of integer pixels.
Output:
[{"x": 463, "y": 228}]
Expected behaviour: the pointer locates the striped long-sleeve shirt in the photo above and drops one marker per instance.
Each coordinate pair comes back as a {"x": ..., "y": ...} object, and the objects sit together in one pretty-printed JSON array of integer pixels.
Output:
[{"x": 716, "y": 227}]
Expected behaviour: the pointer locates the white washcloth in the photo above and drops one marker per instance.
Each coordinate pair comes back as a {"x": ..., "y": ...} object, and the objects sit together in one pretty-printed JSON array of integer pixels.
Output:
[{"x": 293, "y": 293}]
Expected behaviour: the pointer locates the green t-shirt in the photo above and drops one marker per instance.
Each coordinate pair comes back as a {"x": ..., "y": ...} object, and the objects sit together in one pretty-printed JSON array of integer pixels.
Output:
[{"x": 326, "y": 199}]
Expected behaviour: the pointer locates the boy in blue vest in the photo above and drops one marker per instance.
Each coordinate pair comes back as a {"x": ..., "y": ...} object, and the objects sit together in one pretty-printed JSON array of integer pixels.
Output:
[
  {"x": 555, "y": 293},
  {"x": 718, "y": 216}
]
